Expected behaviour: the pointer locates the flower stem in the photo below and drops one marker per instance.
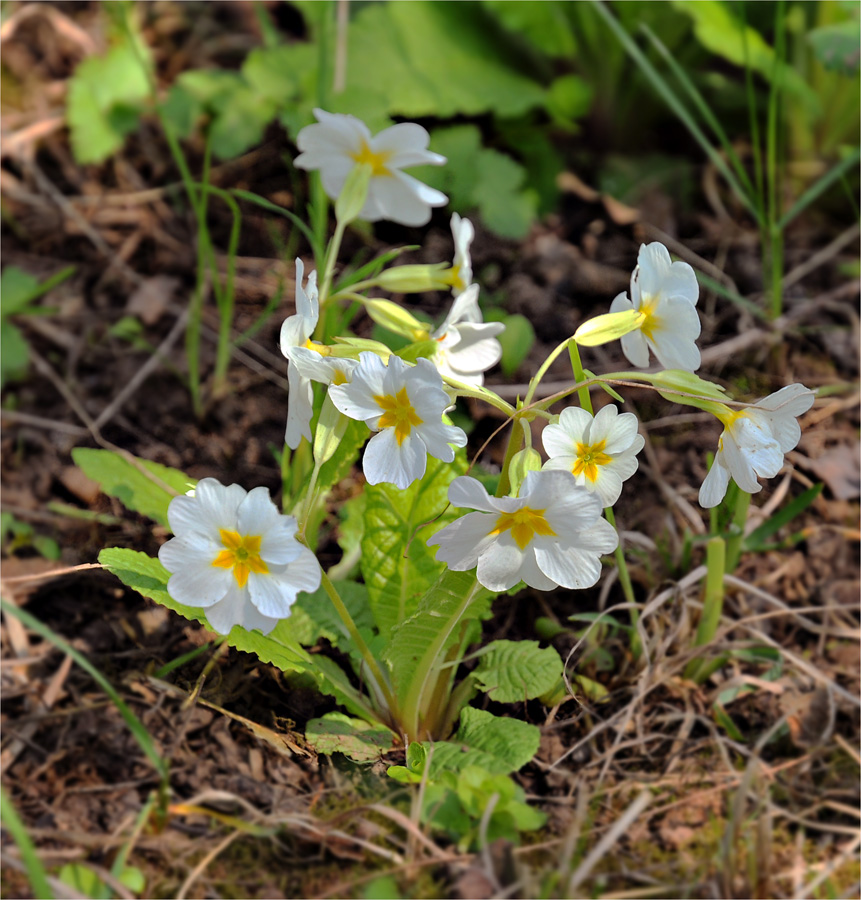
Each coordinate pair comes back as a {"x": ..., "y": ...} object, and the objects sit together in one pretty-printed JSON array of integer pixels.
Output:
[
  {"x": 736, "y": 530},
  {"x": 579, "y": 375},
  {"x": 542, "y": 371},
  {"x": 712, "y": 604},
  {"x": 331, "y": 258},
  {"x": 369, "y": 658},
  {"x": 627, "y": 586}
]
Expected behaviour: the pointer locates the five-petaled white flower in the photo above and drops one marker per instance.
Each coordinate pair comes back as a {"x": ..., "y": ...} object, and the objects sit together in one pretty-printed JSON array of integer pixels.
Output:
[
  {"x": 551, "y": 535},
  {"x": 405, "y": 404},
  {"x": 600, "y": 452},
  {"x": 459, "y": 276},
  {"x": 296, "y": 332},
  {"x": 666, "y": 294},
  {"x": 753, "y": 442},
  {"x": 466, "y": 346},
  {"x": 339, "y": 142},
  {"x": 236, "y": 556}
]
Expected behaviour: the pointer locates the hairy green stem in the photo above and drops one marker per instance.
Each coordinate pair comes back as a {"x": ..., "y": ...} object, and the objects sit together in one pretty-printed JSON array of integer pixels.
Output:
[
  {"x": 370, "y": 660},
  {"x": 579, "y": 375},
  {"x": 712, "y": 604},
  {"x": 736, "y": 535}
]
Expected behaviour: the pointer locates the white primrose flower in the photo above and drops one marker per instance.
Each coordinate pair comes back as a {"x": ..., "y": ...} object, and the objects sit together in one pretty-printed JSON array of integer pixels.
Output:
[
  {"x": 459, "y": 276},
  {"x": 753, "y": 442},
  {"x": 466, "y": 346},
  {"x": 600, "y": 452},
  {"x": 339, "y": 142},
  {"x": 236, "y": 556},
  {"x": 296, "y": 332},
  {"x": 551, "y": 535},
  {"x": 666, "y": 294},
  {"x": 405, "y": 404}
]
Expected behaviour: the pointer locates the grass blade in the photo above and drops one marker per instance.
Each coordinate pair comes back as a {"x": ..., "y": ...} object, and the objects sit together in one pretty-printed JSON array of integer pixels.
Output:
[
  {"x": 670, "y": 98},
  {"x": 704, "y": 109},
  {"x": 757, "y": 538},
  {"x": 820, "y": 186},
  {"x": 35, "y": 870}
]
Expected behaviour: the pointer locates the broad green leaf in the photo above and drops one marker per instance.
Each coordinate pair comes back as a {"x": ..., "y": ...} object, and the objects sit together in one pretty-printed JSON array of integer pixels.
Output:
[
  {"x": 545, "y": 24},
  {"x": 106, "y": 94},
  {"x": 418, "y": 646},
  {"x": 323, "y": 621},
  {"x": 132, "y": 487},
  {"x": 477, "y": 177},
  {"x": 397, "y": 564},
  {"x": 337, "y": 733},
  {"x": 569, "y": 98},
  {"x": 499, "y": 745},
  {"x": 433, "y": 59},
  {"x": 273, "y": 72},
  {"x": 510, "y": 671},
  {"x": 837, "y": 46},
  {"x": 17, "y": 289},
  {"x": 148, "y": 576},
  {"x": 719, "y": 30}
]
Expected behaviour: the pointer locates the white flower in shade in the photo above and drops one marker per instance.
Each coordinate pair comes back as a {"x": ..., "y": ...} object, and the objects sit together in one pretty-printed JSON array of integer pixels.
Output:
[
  {"x": 459, "y": 276},
  {"x": 666, "y": 294},
  {"x": 235, "y": 556},
  {"x": 405, "y": 405},
  {"x": 753, "y": 442},
  {"x": 600, "y": 452},
  {"x": 296, "y": 332},
  {"x": 466, "y": 346},
  {"x": 551, "y": 535},
  {"x": 339, "y": 142}
]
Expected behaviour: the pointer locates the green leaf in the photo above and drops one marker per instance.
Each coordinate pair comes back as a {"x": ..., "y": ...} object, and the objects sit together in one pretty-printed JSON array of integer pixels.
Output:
[
  {"x": 569, "y": 98},
  {"x": 324, "y": 622},
  {"x": 106, "y": 95},
  {"x": 498, "y": 745},
  {"x": 84, "y": 880},
  {"x": 756, "y": 540},
  {"x": 337, "y": 733},
  {"x": 477, "y": 177},
  {"x": 17, "y": 289},
  {"x": 837, "y": 46},
  {"x": 397, "y": 564},
  {"x": 510, "y": 671},
  {"x": 517, "y": 339},
  {"x": 418, "y": 646},
  {"x": 546, "y": 25},
  {"x": 149, "y": 577},
  {"x": 433, "y": 59},
  {"x": 133, "y": 488},
  {"x": 14, "y": 353},
  {"x": 273, "y": 72},
  {"x": 722, "y": 33}
]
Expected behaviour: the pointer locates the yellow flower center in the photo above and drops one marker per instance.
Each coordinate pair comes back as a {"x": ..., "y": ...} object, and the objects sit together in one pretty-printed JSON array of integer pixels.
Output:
[
  {"x": 728, "y": 417},
  {"x": 650, "y": 322},
  {"x": 589, "y": 458},
  {"x": 524, "y": 524},
  {"x": 377, "y": 161},
  {"x": 340, "y": 377},
  {"x": 242, "y": 554},
  {"x": 398, "y": 412}
]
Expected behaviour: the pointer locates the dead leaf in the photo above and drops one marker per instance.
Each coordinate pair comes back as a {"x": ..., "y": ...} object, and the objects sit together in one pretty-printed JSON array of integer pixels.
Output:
[
  {"x": 75, "y": 482},
  {"x": 150, "y": 301},
  {"x": 839, "y": 468}
]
